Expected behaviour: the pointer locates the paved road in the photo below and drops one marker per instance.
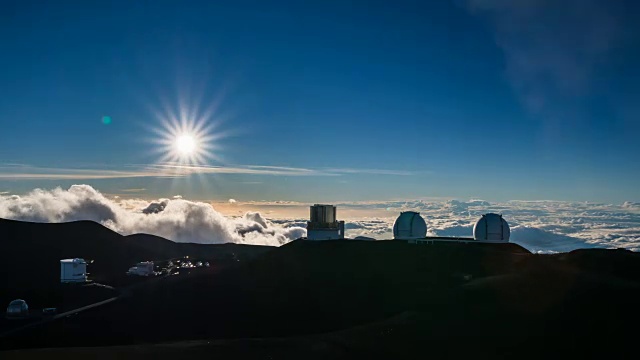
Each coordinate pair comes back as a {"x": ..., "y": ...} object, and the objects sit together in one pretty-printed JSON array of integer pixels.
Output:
[
  {"x": 124, "y": 292},
  {"x": 56, "y": 317},
  {"x": 75, "y": 311}
]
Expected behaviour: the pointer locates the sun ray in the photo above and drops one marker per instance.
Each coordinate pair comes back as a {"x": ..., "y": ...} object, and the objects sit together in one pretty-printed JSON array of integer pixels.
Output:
[{"x": 187, "y": 136}]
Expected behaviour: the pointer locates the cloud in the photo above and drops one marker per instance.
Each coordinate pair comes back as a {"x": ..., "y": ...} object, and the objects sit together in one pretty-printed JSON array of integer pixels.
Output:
[
  {"x": 376, "y": 228},
  {"x": 177, "y": 170},
  {"x": 538, "y": 240},
  {"x": 156, "y": 207},
  {"x": 631, "y": 205},
  {"x": 71, "y": 174},
  {"x": 552, "y": 48},
  {"x": 544, "y": 225},
  {"x": 370, "y": 171},
  {"x": 452, "y": 229},
  {"x": 134, "y": 190},
  {"x": 232, "y": 201},
  {"x": 462, "y": 207},
  {"x": 176, "y": 219},
  {"x": 277, "y": 203},
  {"x": 371, "y": 228},
  {"x": 173, "y": 170},
  {"x": 541, "y": 226}
]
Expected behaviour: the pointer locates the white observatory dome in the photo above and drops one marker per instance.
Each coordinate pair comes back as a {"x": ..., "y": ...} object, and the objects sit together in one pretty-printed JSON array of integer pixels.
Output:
[
  {"x": 491, "y": 227},
  {"x": 17, "y": 309},
  {"x": 409, "y": 225}
]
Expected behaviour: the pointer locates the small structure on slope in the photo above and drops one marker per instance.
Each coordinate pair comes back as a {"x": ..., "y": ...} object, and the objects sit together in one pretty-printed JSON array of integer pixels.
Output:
[
  {"x": 144, "y": 268},
  {"x": 73, "y": 270},
  {"x": 17, "y": 309}
]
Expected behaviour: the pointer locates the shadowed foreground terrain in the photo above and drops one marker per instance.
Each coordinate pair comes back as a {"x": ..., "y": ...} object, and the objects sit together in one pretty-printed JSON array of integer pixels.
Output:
[
  {"x": 31, "y": 254},
  {"x": 345, "y": 299}
]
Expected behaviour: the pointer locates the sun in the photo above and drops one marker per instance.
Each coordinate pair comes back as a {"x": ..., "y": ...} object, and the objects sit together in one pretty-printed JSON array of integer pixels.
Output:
[
  {"x": 184, "y": 141},
  {"x": 187, "y": 136},
  {"x": 186, "y": 144}
]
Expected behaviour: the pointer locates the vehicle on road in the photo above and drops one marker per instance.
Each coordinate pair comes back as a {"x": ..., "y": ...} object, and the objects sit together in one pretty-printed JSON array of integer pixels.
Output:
[
  {"x": 49, "y": 311},
  {"x": 145, "y": 268}
]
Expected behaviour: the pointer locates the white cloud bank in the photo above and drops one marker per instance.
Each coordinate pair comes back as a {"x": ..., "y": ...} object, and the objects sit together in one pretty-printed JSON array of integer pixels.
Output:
[
  {"x": 176, "y": 219},
  {"x": 540, "y": 226}
]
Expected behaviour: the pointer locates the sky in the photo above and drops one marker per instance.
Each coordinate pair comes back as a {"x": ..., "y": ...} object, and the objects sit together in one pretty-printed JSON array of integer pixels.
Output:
[{"x": 322, "y": 101}]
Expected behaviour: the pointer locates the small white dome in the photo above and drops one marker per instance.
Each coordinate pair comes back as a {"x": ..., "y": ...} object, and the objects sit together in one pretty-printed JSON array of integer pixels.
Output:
[
  {"x": 491, "y": 227},
  {"x": 409, "y": 225},
  {"x": 18, "y": 308}
]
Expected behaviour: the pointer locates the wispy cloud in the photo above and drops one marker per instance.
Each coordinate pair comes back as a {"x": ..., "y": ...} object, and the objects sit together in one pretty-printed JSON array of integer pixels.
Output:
[
  {"x": 174, "y": 170},
  {"x": 276, "y": 203},
  {"x": 371, "y": 171},
  {"x": 134, "y": 190},
  {"x": 37, "y": 173},
  {"x": 552, "y": 48}
]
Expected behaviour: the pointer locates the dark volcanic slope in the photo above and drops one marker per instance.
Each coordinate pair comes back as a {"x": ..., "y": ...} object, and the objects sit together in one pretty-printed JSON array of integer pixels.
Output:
[
  {"x": 464, "y": 299},
  {"x": 30, "y": 253},
  {"x": 300, "y": 288},
  {"x": 399, "y": 337}
]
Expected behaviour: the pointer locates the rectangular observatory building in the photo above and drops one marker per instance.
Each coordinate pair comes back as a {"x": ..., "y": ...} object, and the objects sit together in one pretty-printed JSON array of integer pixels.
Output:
[
  {"x": 323, "y": 223},
  {"x": 73, "y": 270}
]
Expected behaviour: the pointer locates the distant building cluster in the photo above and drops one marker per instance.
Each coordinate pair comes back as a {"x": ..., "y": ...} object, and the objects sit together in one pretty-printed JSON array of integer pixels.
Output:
[
  {"x": 409, "y": 226},
  {"x": 490, "y": 227}
]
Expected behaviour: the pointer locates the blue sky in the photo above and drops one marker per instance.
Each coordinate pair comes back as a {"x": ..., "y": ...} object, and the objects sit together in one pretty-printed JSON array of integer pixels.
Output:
[{"x": 357, "y": 100}]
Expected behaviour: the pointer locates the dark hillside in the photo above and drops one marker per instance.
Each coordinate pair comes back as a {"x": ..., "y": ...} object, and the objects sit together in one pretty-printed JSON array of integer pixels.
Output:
[
  {"x": 31, "y": 253},
  {"x": 494, "y": 299},
  {"x": 301, "y": 288}
]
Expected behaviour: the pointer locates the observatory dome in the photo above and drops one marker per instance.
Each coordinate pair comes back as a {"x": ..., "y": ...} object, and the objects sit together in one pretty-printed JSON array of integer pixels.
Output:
[
  {"x": 409, "y": 225},
  {"x": 491, "y": 227},
  {"x": 17, "y": 308}
]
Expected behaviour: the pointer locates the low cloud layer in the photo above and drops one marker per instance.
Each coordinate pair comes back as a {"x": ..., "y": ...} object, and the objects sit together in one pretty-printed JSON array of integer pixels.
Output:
[
  {"x": 176, "y": 219},
  {"x": 540, "y": 226}
]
